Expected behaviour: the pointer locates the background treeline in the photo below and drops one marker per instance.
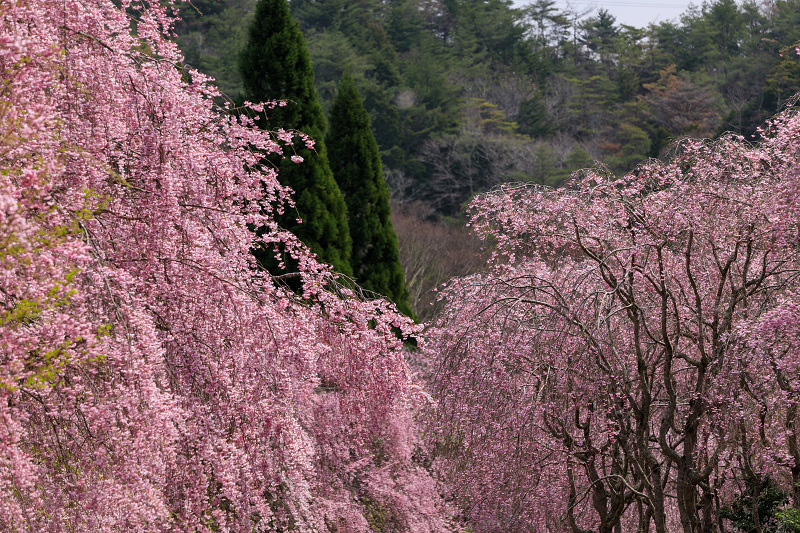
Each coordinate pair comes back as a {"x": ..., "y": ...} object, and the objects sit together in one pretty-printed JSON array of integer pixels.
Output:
[{"x": 466, "y": 94}]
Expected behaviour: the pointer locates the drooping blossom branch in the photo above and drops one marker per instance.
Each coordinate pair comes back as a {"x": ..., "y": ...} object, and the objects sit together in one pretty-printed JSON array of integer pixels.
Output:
[
  {"x": 632, "y": 350},
  {"x": 152, "y": 377}
]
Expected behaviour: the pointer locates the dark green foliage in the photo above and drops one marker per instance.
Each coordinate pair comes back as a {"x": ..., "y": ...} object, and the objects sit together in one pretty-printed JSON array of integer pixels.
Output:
[
  {"x": 712, "y": 34},
  {"x": 492, "y": 26},
  {"x": 210, "y": 34},
  {"x": 333, "y": 54},
  {"x": 275, "y": 65},
  {"x": 533, "y": 119},
  {"x": 565, "y": 78},
  {"x": 356, "y": 164},
  {"x": 632, "y": 147},
  {"x": 767, "y": 514},
  {"x": 599, "y": 35},
  {"x": 659, "y": 140},
  {"x": 405, "y": 26},
  {"x": 577, "y": 159}
]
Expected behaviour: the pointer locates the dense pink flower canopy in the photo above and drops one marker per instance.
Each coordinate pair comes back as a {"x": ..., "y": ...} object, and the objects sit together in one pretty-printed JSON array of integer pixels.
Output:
[
  {"x": 631, "y": 356},
  {"x": 151, "y": 378}
]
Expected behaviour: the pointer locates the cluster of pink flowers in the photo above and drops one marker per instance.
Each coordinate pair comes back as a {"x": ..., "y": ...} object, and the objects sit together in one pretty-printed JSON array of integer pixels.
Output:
[
  {"x": 630, "y": 358},
  {"x": 151, "y": 378}
]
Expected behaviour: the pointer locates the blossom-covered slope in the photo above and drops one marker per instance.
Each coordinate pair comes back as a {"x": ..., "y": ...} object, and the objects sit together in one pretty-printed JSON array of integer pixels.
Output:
[
  {"x": 151, "y": 378},
  {"x": 630, "y": 360}
]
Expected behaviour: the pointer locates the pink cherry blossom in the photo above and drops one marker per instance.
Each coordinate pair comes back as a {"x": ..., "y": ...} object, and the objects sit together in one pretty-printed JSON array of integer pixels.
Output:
[
  {"x": 152, "y": 378},
  {"x": 632, "y": 353}
]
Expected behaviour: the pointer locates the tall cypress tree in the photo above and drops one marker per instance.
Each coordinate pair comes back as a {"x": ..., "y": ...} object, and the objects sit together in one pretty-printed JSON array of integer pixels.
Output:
[
  {"x": 356, "y": 165},
  {"x": 275, "y": 65}
]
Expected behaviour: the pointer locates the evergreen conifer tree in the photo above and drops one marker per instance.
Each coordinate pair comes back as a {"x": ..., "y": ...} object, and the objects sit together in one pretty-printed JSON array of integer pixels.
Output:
[
  {"x": 275, "y": 65},
  {"x": 356, "y": 165}
]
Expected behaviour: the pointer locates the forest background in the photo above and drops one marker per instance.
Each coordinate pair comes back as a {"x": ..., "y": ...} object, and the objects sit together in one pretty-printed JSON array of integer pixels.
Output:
[{"x": 466, "y": 95}]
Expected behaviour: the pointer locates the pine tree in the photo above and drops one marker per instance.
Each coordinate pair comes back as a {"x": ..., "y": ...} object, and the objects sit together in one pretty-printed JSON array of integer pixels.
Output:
[
  {"x": 275, "y": 65},
  {"x": 356, "y": 165}
]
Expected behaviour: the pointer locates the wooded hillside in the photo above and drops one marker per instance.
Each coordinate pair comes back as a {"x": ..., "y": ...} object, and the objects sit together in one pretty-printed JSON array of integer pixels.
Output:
[{"x": 464, "y": 95}]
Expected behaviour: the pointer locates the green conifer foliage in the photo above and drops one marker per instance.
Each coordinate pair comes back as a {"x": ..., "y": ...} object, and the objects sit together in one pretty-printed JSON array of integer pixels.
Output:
[
  {"x": 356, "y": 165},
  {"x": 275, "y": 65}
]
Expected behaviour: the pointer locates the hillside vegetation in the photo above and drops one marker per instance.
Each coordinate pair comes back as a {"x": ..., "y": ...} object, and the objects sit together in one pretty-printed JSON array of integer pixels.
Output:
[
  {"x": 465, "y": 95},
  {"x": 624, "y": 356}
]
